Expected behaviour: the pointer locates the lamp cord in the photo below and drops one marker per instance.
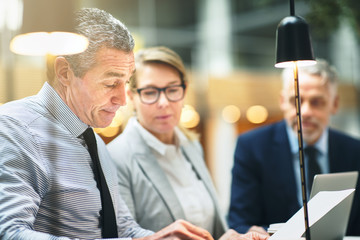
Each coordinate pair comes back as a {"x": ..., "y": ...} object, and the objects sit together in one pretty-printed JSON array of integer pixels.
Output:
[
  {"x": 292, "y": 8},
  {"x": 301, "y": 151}
]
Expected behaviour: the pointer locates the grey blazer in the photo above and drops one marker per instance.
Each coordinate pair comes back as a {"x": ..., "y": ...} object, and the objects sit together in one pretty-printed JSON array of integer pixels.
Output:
[{"x": 144, "y": 185}]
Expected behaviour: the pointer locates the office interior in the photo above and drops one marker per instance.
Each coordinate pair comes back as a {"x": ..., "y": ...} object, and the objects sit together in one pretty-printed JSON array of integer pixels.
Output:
[{"x": 228, "y": 47}]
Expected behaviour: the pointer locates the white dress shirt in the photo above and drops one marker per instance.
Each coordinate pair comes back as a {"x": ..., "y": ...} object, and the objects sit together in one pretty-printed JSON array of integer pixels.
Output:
[
  {"x": 47, "y": 185},
  {"x": 322, "y": 157}
]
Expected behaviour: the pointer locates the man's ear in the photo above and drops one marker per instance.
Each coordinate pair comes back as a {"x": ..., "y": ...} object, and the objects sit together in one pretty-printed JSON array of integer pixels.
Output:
[
  {"x": 62, "y": 71},
  {"x": 335, "y": 106},
  {"x": 282, "y": 100}
]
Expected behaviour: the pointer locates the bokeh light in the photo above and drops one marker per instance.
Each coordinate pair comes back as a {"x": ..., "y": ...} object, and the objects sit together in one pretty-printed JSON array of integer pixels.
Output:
[
  {"x": 110, "y": 131},
  {"x": 189, "y": 117},
  {"x": 231, "y": 113},
  {"x": 257, "y": 114}
]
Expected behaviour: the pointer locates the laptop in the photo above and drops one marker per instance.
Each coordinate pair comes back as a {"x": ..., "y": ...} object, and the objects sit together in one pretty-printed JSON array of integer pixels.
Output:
[
  {"x": 328, "y": 217},
  {"x": 333, "y": 182},
  {"x": 332, "y": 225}
]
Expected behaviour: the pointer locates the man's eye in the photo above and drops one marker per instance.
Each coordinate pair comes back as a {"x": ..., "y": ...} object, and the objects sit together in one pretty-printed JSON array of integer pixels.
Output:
[
  {"x": 111, "y": 85},
  {"x": 317, "y": 103},
  {"x": 292, "y": 100}
]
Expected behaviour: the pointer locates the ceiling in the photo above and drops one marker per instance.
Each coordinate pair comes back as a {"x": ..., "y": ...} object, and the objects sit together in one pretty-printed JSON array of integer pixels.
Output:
[{"x": 177, "y": 23}]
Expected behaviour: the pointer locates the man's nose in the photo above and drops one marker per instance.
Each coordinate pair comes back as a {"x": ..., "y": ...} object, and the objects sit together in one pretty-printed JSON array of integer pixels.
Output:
[
  {"x": 305, "y": 108},
  {"x": 119, "y": 97}
]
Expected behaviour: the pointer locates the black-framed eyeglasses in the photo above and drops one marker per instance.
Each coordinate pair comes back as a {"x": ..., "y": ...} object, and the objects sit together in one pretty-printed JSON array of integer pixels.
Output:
[{"x": 150, "y": 95}]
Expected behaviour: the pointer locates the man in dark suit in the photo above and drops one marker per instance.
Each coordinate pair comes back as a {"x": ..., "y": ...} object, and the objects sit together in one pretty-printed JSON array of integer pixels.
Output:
[{"x": 266, "y": 183}]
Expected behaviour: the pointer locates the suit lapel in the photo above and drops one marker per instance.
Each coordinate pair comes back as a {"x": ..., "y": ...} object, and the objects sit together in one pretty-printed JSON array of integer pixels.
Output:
[
  {"x": 282, "y": 152},
  {"x": 156, "y": 175},
  {"x": 200, "y": 169},
  {"x": 153, "y": 171},
  {"x": 333, "y": 153}
]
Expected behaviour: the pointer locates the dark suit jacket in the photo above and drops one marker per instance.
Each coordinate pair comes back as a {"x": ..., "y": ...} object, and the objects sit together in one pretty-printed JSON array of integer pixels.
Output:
[{"x": 263, "y": 189}]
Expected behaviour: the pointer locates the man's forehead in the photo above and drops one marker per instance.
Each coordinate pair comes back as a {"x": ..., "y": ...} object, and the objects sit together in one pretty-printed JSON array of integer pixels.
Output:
[
  {"x": 309, "y": 90},
  {"x": 308, "y": 80},
  {"x": 105, "y": 52}
]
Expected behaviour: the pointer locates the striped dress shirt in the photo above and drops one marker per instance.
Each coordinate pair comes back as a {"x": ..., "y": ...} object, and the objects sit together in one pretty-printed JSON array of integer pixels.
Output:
[{"x": 47, "y": 185}]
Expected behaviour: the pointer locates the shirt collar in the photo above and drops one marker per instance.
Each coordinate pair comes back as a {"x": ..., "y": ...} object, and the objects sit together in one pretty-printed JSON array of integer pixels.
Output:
[
  {"x": 155, "y": 143},
  {"x": 61, "y": 112},
  {"x": 321, "y": 144}
]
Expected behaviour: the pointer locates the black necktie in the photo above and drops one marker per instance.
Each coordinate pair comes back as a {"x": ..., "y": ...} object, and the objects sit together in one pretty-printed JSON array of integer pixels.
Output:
[
  {"x": 313, "y": 166},
  {"x": 108, "y": 219}
]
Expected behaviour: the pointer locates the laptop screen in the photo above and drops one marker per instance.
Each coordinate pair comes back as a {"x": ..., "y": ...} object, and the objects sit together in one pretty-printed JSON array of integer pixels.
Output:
[{"x": 334, "y": 182}]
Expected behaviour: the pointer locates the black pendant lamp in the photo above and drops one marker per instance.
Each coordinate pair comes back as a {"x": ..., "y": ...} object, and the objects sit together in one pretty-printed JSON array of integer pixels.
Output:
[
  {"x": 293, "y": 49},
  {"x": 293, "y": 43}
]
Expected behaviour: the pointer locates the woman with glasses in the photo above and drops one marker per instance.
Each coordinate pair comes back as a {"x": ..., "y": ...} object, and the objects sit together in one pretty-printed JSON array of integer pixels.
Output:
[{"x": 162, "y": 174}]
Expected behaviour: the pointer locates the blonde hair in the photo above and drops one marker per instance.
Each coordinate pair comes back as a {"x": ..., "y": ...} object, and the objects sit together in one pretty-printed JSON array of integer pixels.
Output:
[{"x": 162, "y": 55}]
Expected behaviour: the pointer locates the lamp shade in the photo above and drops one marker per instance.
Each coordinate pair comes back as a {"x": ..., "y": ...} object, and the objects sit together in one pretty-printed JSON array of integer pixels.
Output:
[
  {"x": 48, "y": 28},
  {"x": 293, "y": 42}
]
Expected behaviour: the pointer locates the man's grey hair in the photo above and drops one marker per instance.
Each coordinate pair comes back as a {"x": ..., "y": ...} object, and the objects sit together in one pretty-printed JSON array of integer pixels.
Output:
[
  {"x": 322, "y": 69},
  {"x": 102, "y": 30}
]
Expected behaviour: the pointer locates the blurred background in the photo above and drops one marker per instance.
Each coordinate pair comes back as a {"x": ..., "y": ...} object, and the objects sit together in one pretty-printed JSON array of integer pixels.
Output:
[{"x": 228, "y": 47}]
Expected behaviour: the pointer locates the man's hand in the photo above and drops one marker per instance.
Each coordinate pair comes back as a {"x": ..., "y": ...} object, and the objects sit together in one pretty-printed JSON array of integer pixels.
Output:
[
  {"x": 258, "y": 229},
  {"x": 233, "y": 235},
  {"x": 180, "y": 230}
]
